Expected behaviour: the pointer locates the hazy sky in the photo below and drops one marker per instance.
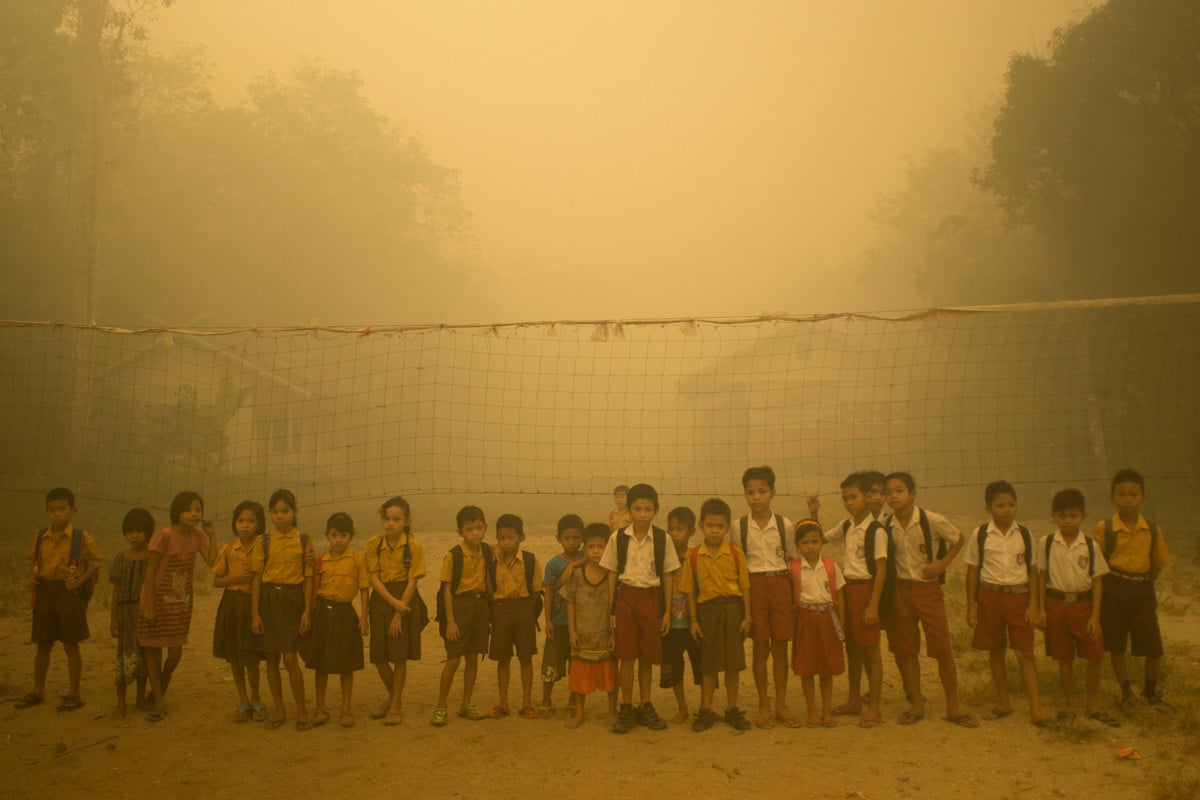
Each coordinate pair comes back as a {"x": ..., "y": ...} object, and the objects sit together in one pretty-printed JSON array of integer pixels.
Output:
[{"x": 626, "y": 159}]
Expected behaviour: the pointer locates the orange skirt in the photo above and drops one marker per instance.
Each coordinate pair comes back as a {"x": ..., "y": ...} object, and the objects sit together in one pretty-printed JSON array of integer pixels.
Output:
[{"x": 592, "y": 676}]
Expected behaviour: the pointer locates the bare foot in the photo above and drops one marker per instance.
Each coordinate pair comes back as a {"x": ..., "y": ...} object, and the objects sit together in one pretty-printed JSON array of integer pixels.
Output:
[
  {"x": 681, "y": 717},
  {"x": 812, "y": 721},
  {"x": 827, "y": 721},
  {"x": 783, "y": 715},
  {"x": 575, "y": 721},
  {"x": 847, "y": 708},
  {"x": 117, "y": 713}
]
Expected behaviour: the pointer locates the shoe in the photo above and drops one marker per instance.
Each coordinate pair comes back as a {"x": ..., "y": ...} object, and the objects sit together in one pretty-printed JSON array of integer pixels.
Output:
[
  {"x": 1104, "y": 719},
  {"x": 440, "y": 718},
  {"x": 627, "y": 720},
  {"x": 472, "y": 713},
  {"x": 1156, "y": 699},
  {"x": 704, "y": 720},
  {"x": 736, "y": 719},
  {"x": 646, "y": 715}
]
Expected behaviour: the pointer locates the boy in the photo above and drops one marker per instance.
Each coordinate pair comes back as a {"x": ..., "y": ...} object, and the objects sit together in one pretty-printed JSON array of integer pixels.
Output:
[
  {"x": 618, "y": 516},
  {"x": 463, "y": 611},
  {"x": 1136, "y": 554},
  {"x": 865, "y": 569},
  {"x": 558, "y": 645},
  {"x": 875, "y": 499},
  {"x": 681, "y": 525},
  {"x": 641, "y": 569},
  {"x": 1001, "y": 606},
  {"x": 717, "y": 585},
  {"x": 917, "y": 535},
  {"x": 1070, "y": 588},
  {"x": 65, "y": 563},
  {"x": 763, "y": 536},
  {"x": 593, "y": 665},
  {"x": 516, "y": 582}
]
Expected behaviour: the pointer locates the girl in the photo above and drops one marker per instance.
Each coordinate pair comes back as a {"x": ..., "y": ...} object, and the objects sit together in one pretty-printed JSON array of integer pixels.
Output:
[
  {"x": 231, "y": 634},
  {"x": 336, "y": 642},
  {"x": 166, "y": 599},
  {"x": 126, "y": 574},
  {"x": 279, "y": 602},
  {"x": 820, "y": 614},
  {"x": 395, "y": 562}
]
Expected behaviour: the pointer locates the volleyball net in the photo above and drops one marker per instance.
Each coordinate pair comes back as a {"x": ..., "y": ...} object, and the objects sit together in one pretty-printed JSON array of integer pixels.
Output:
[{"x": 1051, "y": 394}]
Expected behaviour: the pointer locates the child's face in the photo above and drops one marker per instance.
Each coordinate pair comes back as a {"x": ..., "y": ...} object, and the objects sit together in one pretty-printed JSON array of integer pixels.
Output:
[
  {"x": 1003, "y": 509},
  {"x": 472, "y": 533},
  {"x": 875, "y": 500},
  {"x": 854, "y": 501},
  {"x": 394, "y": 521},
  {"x": 642, "y": 511},
  {"x": 810, "y": 545},
  {"x": 137, "y": 539},
  {"x": 338, "y": 540},
  {"x": 619, "y": 499},
  {"x": 246, "y": 524},
  {"x": 679, "y": 533},
  {"x": 60, "y": 513},
  {"x": 1068, "y": 520},
  {"x": 1128, "y": 497},
  {"x": 507, "y": 541},
  {"x": 283, "y": 517},
  {"x": 192, "y": 515},
  {"x": 571, "y": 540},
  {"x": 899, "y": 496},
  {"x": 759, "y": 496},
  {"x": 715, "y": 527},
  {"x": 594, "y": 548}
]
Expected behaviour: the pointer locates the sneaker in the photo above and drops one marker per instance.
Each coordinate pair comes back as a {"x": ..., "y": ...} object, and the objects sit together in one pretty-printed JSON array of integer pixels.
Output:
[
  {"x": 626, "y": 719},
  {"x": 646, "y": 715},
  {"x": 704, "y": 720},
  {"x": 736, "y": 719}
]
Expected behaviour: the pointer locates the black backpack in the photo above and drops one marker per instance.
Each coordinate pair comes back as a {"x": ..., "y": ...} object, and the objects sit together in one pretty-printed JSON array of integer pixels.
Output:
[
  {"x": 660, "y": 556},
  {"x": 744, "y": 524},
  {"x": 539, "y": 602},
  {"x": 927, "y": 532},
  {"x": 888, "y": 597},
  {"x": 456, "y": 571},
  {"x": 1027, "y": 538},
  {"x": 420, "y": 611},
  {"x": 1091, "y": 546}
]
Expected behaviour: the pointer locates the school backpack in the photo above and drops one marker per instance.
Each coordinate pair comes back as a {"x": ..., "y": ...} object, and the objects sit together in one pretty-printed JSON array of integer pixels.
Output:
[
  {"x": 417, "y": 608},
  {"x": 888, "y": 597},
  {"x": 694, "y": 558},
  {"x": 539, "y": 602},
  {"x": 830, "y": 574},
  {"x": 927, "y": 533},
  {"x": 1026, "y": 537},
  {"x": 660, "y": 551},
  {"x": 1110, "y": 539},
  {"x": 85, "y": 589},
  {"x": 744, "y": 524},
  {"x": 456, "y": 571},
  {"x": 1091, "y": 555}
]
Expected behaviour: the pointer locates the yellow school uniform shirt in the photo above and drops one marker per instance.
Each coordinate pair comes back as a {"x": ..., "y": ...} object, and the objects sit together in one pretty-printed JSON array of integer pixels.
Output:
[
  {"x": 722, "y": 575},
  {"x": 510, "y": 578},
  {"x": 287, "y": 558},
  {"x": 388, "y": 561},
  {"x": 1131, "y": 551},
  {"x": 55, "y": 557},
  {"x": 473, "y": 579},
  {"x": 234, "y": 559},
  {"x": 342, "y": 577}
]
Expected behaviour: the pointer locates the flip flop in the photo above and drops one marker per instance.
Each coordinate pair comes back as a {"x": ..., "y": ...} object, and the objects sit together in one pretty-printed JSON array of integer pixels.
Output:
[
  {"x": 274, "y": 724},
  {"x": 259, "y": 712},
  {"x": 909, "y": 718},
  {"x": 528, "y": 712},
  {"x": 28, "y": 701},
  {"x": 870, "y": 723},
  {"x": 1104, "y": 718},
  {"x": 393, "y": 719},
  {"x": 382, "y": 711},
  {"x": 157, "y": 715},
  {"x": 498, "y": 712},
  {"x": 1046, "y": 724},
  {"x": 303, "y": 725},
  {"x": 346, "y": 720},
  {"x": 241, "y": 714},
  {"x": 70, "y": 702},
  {"x": 788, "y": 721},
  {"x": 847, "y": 710},
  {"x": 829, "y": 723},
  {"x": 997, "y": 713},
  {"x": 964, "y": 720},
  {"x": 319, "y": 719},
  {"x": 764, "y": 720}
]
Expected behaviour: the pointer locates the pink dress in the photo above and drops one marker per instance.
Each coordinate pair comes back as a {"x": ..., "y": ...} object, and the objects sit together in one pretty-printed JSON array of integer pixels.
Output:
[{"x": 172, "y": 587}]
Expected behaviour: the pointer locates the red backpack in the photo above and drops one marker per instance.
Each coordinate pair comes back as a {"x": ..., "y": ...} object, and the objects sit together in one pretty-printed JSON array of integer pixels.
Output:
[{"x": 830, "y": 573}]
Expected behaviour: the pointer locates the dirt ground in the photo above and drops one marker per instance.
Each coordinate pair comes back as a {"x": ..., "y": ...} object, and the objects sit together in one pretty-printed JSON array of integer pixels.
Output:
[{"x": 201, "y": 754}]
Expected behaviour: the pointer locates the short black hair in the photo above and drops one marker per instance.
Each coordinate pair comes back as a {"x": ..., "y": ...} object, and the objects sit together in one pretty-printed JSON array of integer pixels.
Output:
[
  {"x": 763, "y": 473},
  {"x": 400, "y": 503},
  {"x": 1125, "y": 475},
  {"x": 288, "y": 499},
  {"x": 61, "y": 493},
  {"x": 997, "y": 488},
  {"x": 260, "y": 516},
  {"x": 874, "y": 478},
  {"x": 569, "y": 522},
  {"x": 621, "y": 488},
  {"x": 139, "y": 520},
  {"x": 1066, "y": 500},
  {"x": 715, "y": 506},
  {"x": 641, "y": 491},
  {"x": 858, "y": 480},
  {"x": 596, "y": 530},
  {"x": 684, "y": 515},
  {"x": 341, "y": 522},
  {"x": 182, "y": 502},
  {"x": 512, "y": 522},
  {"x": 906, "y": 478},
  {"x": 469, "y": 514}
]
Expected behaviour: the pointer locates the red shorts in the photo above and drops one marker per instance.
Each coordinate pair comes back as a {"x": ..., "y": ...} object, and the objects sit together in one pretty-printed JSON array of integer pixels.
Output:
[
  {"x": 639, "y": 619},
  {"x": 858, "y": 596},
  {"x": 1001, "y": 617},
  {"x": 919, "y": 602},
  {"x": 1066, "y": 631},
  {"x": 774, "y": 616}
]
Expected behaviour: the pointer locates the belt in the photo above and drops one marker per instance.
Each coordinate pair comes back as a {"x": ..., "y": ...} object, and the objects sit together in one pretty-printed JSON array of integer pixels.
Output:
[
  {"x": 477, "y": 595},
  {"x": 858, "y": 581},
  {"x": 995, "y": 587},
  {"x": 776, "y": 573},
  {"x": 1129, "y": 576},
  {"x": 725, "y": 599},
  {"x": 1069, "y": 597}
]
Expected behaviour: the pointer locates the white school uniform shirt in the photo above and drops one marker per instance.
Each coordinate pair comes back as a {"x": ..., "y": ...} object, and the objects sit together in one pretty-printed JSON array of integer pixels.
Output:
[
  {"x": 814, "y": 582},
  {"x": 910, "y": 543},
  {"x": 766, "y": 546},
  {"x": 1003, "y": 561},
  {"x": 639, "y": 559},
  {"x": 855, "y": 539},
  {"x": 1068, "y": 563}
]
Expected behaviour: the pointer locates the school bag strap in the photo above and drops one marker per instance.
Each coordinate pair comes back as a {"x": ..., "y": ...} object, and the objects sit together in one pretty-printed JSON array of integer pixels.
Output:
[
  {"x": 927, "y": 533},
  {"x": 744, "y": 525},
  {"x": 266, "y": 548},
  {"x": 660, "y": 550},
  {"x": 830, "y": 575},
  {"x": 1026, "y": 538},
  {"x": 406, "y": 555}
]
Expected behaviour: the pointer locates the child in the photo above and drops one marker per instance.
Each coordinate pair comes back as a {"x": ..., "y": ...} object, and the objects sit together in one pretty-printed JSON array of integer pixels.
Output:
[
  {"x": 681, "y": 525},
  {"x": 231, "y": 633},
  {"x": 1001, "y": 571},
  {"x": 866, "y": 571},
  {"x": 1070, "y": 588},
  {"x": 463, "y": 611},
  {"x": 618, "y": 516},
  {"x": 65, "y": 563},
  {"x": 166, "y": 602},
  {"x": 1136, "y": 554},
  {"x": 641, "y": 571},
  {"x": 335, "y": 643},
  {"x": 762, "y": 535},
  {"x": 558, "y": 645},
  {"x": 127, "y": 573},
  {"x": 395, "y": 563},
  {"x": 516, "y": 581},
  {"x": 717, "y": 585},
  {"x": 280, "y": 598},
  {"x": 925, "y": 545},
  {"x": 820, "y": 619},
  {"x": 876, "y": 502},
  {"x": 593, "y": 663}
]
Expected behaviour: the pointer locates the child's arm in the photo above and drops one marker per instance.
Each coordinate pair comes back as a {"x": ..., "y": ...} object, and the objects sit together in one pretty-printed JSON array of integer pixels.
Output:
[
  {"x": 1038, "y": 587},
  {"x": 693, "y": 612},
  {"x": 448, "y": 603},
  {"x": 814, "y": 507},
  {"x": 146, "y": 604},
  {"x": 208, "y": 547},
  {"x": 938, "y": 566},
  {"x": 612, "y": 598},
  {"x": 1094, "y": 631},
  {"x": 364, "y": 620},
  {"x": 747, "y": 618},
  {"x": 668, "y": 588},
  {"x": 306, "y": 615},
  {"x": 572, "y": 634},
  {"x": 841, "y": 607},
  {"x": 972, "y": 590},
  {"x": 871, "y": 612},
  {"x": 256, "y": 625}
]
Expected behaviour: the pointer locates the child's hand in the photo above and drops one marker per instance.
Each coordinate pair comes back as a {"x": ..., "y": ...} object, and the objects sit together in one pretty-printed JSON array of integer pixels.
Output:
[
  {"x": 972, "y": 614},
  {"x": 549, "y": 629},
  {"x": 364, "y": 625},
  {"x": 665, "y": 627},
  {"x": 451, "y": 632},
  {"x": 210, "y": 530},
  {"x": 401, "y": 607},
  {"x": 1093, "y": 629},
  {"x": 305, "y": 621},
  {"x": 73, "y": 582},
  {"x": 814, "y": 505},
  {"x": 612, "y": 621},
  {"x": 932, "y": 570},
  {"x": 396, "y": 625},
  {"x": 256, "y": 624},
  {"x": 310, "y": 558},
  {"x": 575, "y": 640},
  {"x": 697, "y": 634},
  {"x": 744, "y": 628},
  {"x": 870, "y": 616}
]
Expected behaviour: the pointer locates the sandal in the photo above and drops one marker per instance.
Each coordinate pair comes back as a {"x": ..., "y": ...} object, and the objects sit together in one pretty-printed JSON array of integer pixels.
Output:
[
  {"x": 1103, "y": 718},
  {"x": 847, "y": 709},
  {"x": 319, "y": 719},
  {"x": 303, "y": 725},
  {"x": 70, "y": 702},
  {"x": 346, "y": 720},
  {"x": 472, "y": 713},
  {"x": 764, "y": 720},
  {"x": 964, "y": 720},
  {"x": 382, "y": 711},
  {"x": 870, "y": 723},
  {"x": 157, "y": 715},
  {"x": 393, "y": 719},
  {"x": 909, "y": 718},
  {"x": 440, "y": 718},
  {"x": 241, "y": 714},
  {"x": 275, "y": 724},
  {"x": 497, "y": 712},
  {"x": 28, "y": 701},
  {"x": 1046, "y": 724},
  {"x": 788, "y": 720},
  {"x": 259, "y": 712},
  {"x": 997, "y": 713},
  {"x": 528, "y": 712}
]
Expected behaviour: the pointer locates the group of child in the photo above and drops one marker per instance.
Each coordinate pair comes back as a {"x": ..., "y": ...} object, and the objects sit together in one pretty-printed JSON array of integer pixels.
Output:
[{"x": 619, "y": 599}]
